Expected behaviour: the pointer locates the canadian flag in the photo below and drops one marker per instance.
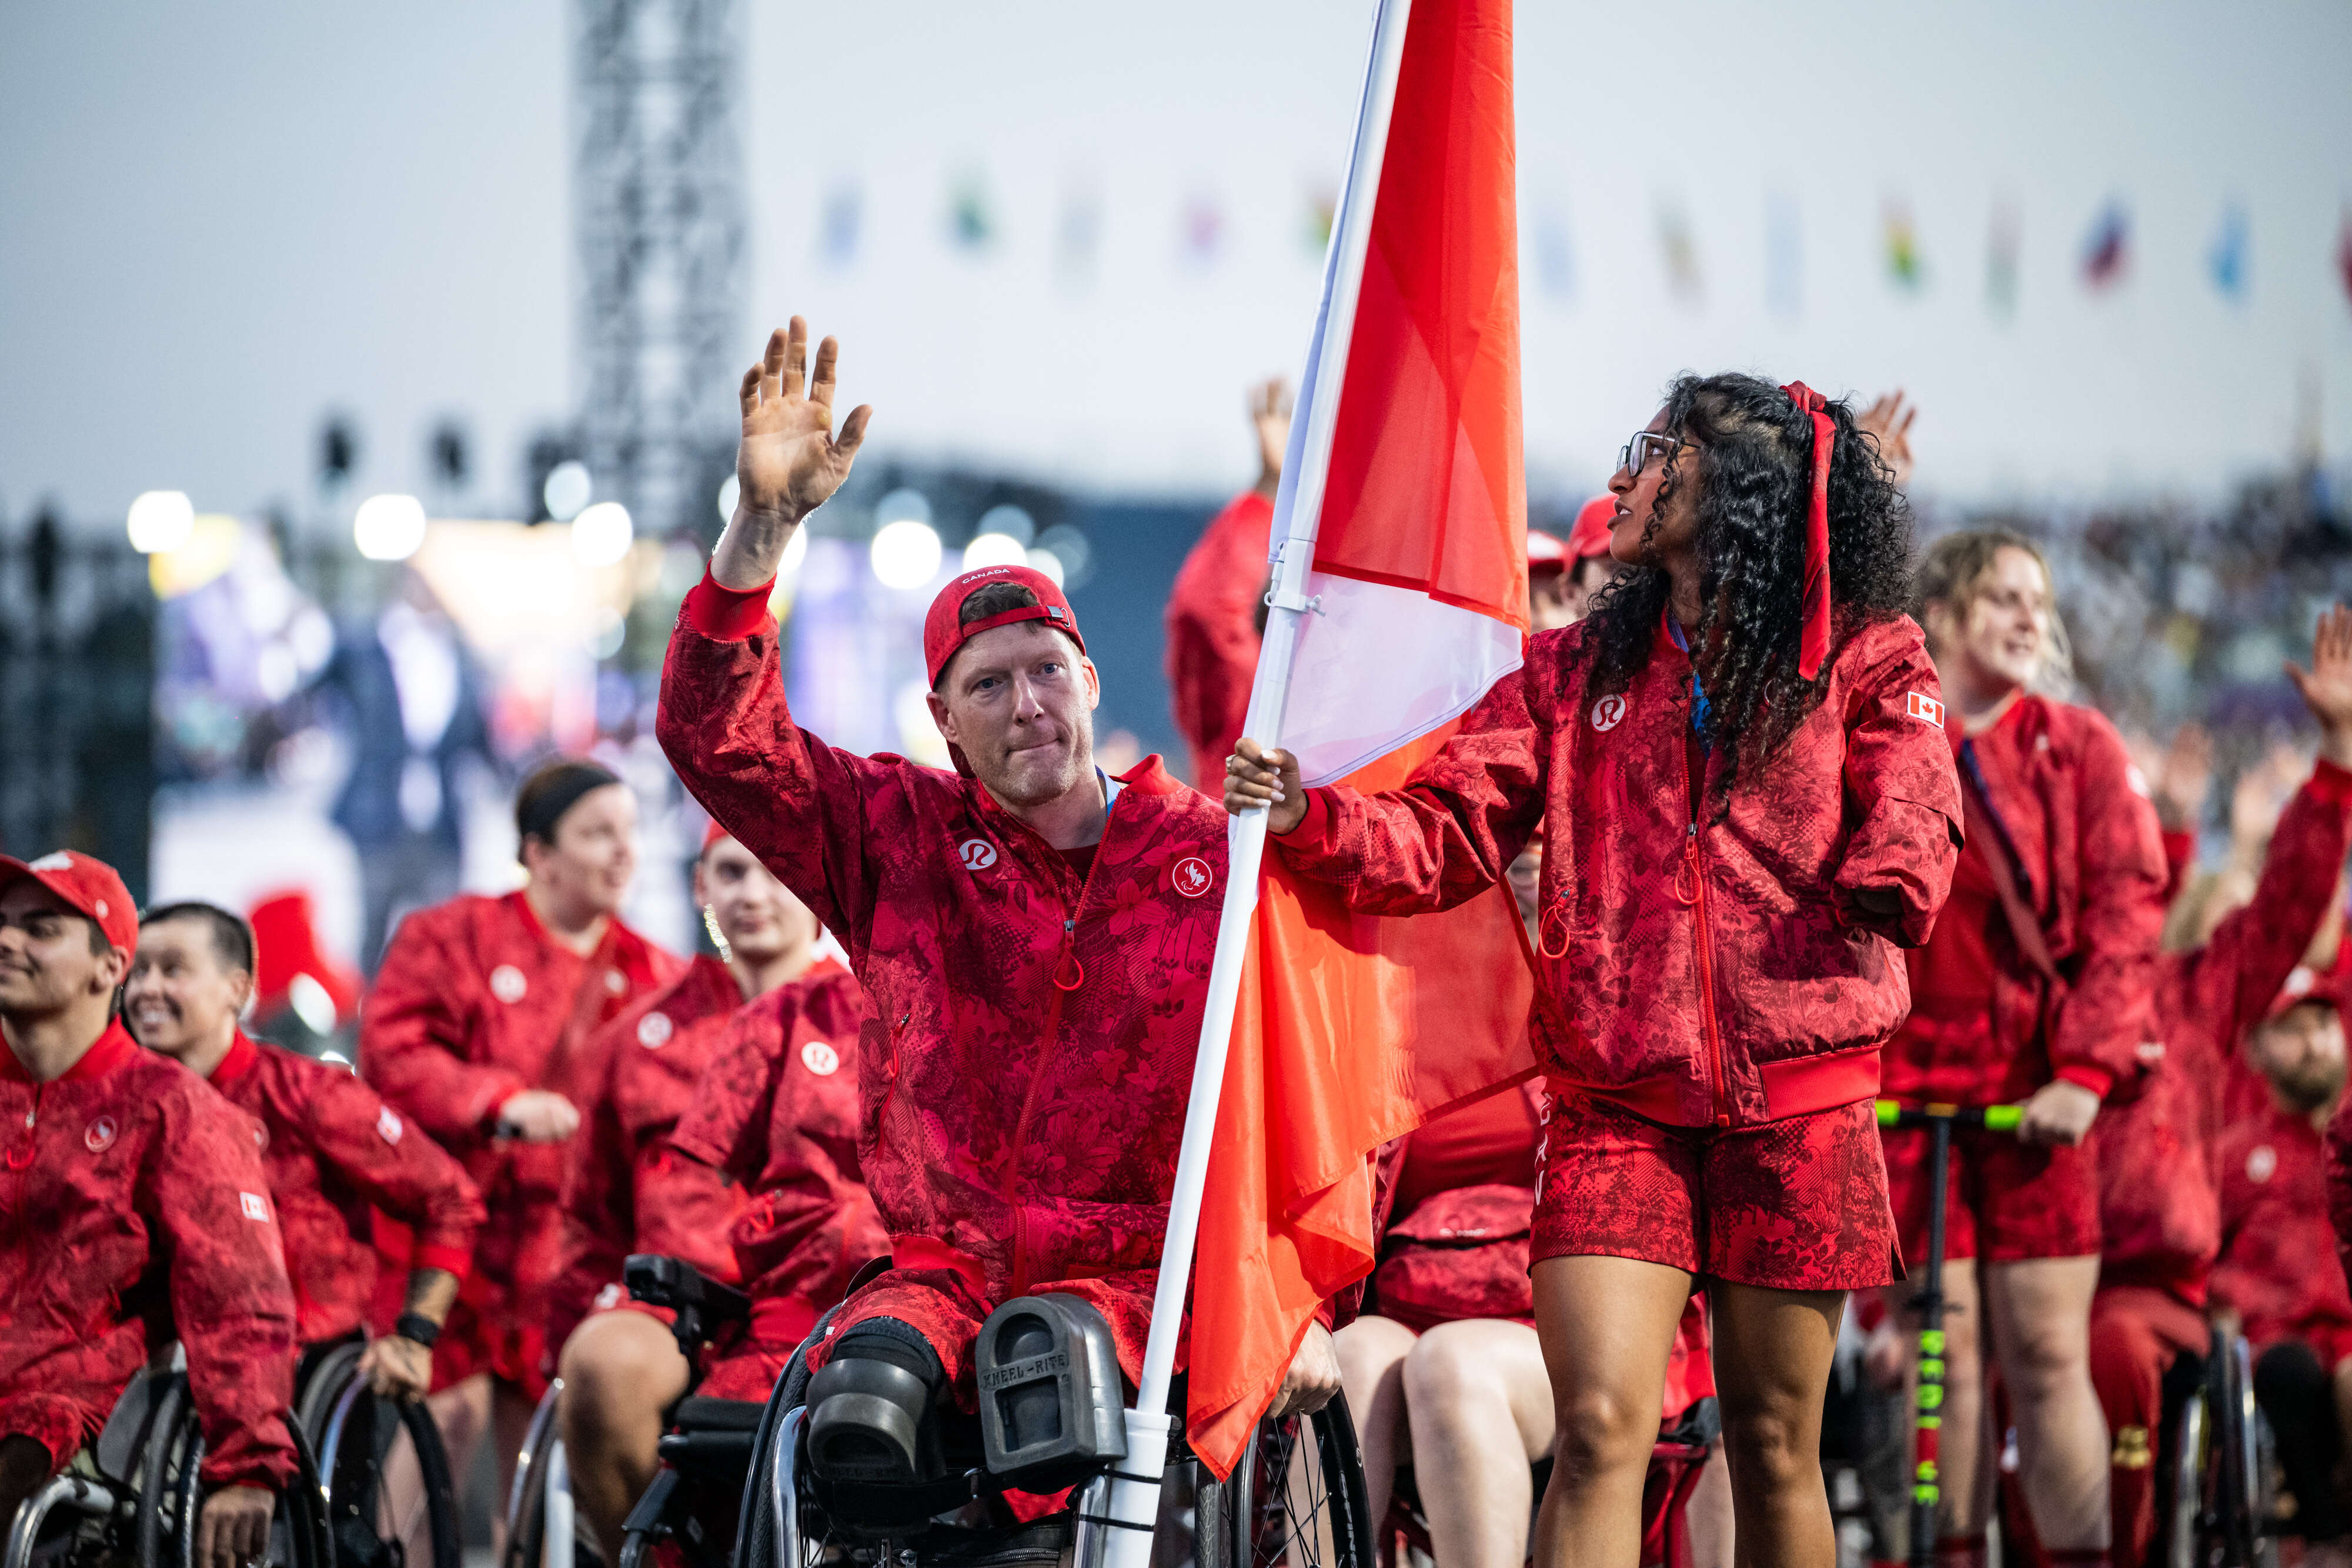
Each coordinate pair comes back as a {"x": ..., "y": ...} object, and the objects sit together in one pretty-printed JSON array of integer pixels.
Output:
[{"x": 1400, "y": 598}]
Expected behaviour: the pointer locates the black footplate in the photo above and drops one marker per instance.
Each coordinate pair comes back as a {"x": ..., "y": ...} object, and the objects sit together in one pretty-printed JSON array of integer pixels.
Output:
[{"x": 1052, "y": 1403}]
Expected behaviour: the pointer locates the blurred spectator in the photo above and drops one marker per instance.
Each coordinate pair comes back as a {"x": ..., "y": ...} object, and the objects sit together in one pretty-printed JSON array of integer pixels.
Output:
[{"x": 412, "y": 706}]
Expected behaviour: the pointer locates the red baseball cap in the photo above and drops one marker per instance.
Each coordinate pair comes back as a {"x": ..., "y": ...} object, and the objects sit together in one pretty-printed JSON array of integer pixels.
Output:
[
  {"x": 2305, "y": 984},
  {"x": 943, "y": 634},
  {"x": 1589, "y": 538},
  {"x": 711, "y": 834},
  {"x": 90, "y": 886},
  {"x": 1544, "y": 553}
]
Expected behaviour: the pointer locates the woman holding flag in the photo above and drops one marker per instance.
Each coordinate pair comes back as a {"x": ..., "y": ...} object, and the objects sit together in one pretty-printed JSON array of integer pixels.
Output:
[{"x": 1749, "y": 805}]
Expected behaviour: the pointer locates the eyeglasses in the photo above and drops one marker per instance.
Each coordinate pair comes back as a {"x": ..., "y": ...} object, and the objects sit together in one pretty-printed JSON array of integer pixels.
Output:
[{"x": 1645, "y": 445}]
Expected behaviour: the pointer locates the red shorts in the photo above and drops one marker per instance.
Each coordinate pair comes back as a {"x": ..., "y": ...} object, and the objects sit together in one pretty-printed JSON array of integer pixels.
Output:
[
  {"x": 1798, "y": 1204},
  {"x": 2004, "y": 1201}
]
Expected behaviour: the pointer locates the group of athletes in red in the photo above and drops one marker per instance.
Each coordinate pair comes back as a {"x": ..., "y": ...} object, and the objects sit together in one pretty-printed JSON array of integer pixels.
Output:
[{"x": 1792, "y": 827}]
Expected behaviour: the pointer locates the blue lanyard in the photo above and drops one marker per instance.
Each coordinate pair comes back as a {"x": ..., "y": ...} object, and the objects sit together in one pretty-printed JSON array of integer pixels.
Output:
[{"x": 1697, "y": 692}]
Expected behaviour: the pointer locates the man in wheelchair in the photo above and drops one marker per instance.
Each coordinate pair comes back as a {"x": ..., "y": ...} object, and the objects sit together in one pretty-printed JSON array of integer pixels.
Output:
[
  {"x": 770, "y": 1127},
  {"x": 2278, "y": 1274},
  {"x": 1034, "y": 934},
  {"x": 334, "y": 1150},
  {"x": 133, "y": 1209}
]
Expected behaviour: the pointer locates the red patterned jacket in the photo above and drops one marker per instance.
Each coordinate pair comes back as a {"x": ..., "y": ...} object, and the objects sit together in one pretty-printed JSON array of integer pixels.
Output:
[
  {"x": 475, "y": 1003},
  {"x": 2094, "y": 868},
  {"x": 1709, "y": 976},
  {"x": 1023, "y": 1080},
  {"x": 777, "y": 1115},
  {"x": 333, "y": 1148},
  {"x": 644, "y": 1064},
  {"x": 1212, "y": 636},
  {"x": 2158, "y": 1192},
  {"x": 2276, "y": 1267},
  {"x": 133, "y": 1209}
]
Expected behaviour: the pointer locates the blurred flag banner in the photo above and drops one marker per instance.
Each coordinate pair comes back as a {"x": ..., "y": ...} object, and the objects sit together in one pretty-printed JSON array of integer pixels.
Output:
[{"x": 1405, "y": 481}]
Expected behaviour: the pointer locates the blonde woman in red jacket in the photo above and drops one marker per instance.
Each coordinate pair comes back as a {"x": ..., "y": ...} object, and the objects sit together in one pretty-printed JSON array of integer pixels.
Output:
[{"x": 1747, "y": 806}]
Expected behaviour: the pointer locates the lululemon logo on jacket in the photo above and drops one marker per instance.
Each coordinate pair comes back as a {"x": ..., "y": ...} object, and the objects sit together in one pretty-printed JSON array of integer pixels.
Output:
[
  {"x": 2262, "y": 1163},
  {"x": 820, "y": 1059},
  {"x": 654, "y": 1031},
  {"x": 99, "y": 1136},
  {"x": 508, "y": 985},
  {"x": 1191, "y": 876},
  {"x": 1609, "y": 712},
  {"x": 977, "y": 854}
]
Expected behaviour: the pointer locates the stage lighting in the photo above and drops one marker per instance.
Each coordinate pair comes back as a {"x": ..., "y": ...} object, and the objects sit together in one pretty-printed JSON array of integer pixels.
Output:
[
  {"x": 1009, "y": 521},
  {"x": 902, "y": 506},
  {"x": 389, "y": 527},
  {"x": 567, "y": 489},
  {"x": 161, "y": 521},
  {"x": 601, "y": 534},
  {"x": 906, "y": 553},
  {"x": 994, "y": 550},
  {"x": 1047, "y": 563}
]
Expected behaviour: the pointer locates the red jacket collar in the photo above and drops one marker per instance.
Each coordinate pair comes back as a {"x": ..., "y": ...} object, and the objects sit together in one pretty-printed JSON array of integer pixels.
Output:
[
  {"x": 109, "y": 1050},
  {"x": 243, "y": 1057}
]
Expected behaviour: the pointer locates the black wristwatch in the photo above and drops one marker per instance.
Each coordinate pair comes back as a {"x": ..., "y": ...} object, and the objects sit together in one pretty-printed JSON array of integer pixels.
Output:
[{"x": 418, "y": 1327}]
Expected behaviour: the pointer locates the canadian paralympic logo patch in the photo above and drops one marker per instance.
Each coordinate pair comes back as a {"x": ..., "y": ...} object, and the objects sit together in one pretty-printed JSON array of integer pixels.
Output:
[
  {"x": 1926, "y": 709},
  {"x": 1191, "y": 876},
  {"x": 507, "y": 984},
  {"x": 99, "y": 1136}
]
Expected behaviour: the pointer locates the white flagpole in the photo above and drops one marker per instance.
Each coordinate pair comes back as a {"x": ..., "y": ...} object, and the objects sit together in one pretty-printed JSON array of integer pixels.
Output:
[{"x": 1298, "y": 506}]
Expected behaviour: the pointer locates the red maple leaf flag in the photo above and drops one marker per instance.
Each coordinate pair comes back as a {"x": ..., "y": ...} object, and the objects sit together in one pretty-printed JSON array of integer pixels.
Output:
[{"x": 1400, "y": 598}]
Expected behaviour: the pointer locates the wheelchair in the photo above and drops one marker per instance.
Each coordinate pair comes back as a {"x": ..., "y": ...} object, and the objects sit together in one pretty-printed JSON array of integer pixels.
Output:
[
  {"x": 2223, "y": 1472},
  {"x": 132, "y": 1497},
  {"x": 353, "y": 1433},
  {"x": 1676, "y": 1462},
  {"x": 1051, "y": 1422},
  {"x": 704, "y": 1453}
]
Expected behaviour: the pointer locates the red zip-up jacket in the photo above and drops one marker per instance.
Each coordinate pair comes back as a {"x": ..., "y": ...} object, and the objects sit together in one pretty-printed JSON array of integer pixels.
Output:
[
  {"x": 777, "y": 1115},
  {"x": 1212, "y": 636},
  {"x": 475, "y": 1003},
  {"x": 2275, "y": 1266},
  {"x": 2093, "y": 868},
  {"x": 647, "y": 1062},
  {"x": 1697, "y": 974},
  {"x": 2159, "y": 1202},
  {"x": 1024, "y": 1078},
  {"x": 332, "y": 1148},
  {"x": 134, "y": 1210}
]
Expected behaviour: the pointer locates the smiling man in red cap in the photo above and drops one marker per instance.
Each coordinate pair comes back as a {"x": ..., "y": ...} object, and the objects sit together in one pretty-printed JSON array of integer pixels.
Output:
[
  {"x": 1034, "y": 934},
  {"x": 133, "y": 1208}
]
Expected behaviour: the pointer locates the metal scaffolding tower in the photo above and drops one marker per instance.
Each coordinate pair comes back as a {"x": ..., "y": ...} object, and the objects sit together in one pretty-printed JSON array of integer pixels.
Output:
[{"x": 659, "y": 195}]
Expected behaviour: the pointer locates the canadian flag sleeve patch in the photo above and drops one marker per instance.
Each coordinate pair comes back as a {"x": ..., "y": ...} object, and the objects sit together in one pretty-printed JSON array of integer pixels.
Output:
[
  {"x": 255, "y": 1205},
  {"x": 1926, "y": 709}
]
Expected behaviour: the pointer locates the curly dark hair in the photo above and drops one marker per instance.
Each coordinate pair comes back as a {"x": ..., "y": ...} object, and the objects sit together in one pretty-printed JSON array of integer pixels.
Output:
[{"x": 1753, "y": 470}]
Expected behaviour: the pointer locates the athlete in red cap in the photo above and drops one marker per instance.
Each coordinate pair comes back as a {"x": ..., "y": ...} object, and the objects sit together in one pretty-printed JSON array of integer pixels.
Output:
[
  {"x": 477, "y": 1030},
  {"x": 133, "y": 1208},
  {"x": 1034, "y": 935},
  {"x": 331, "y": 1147},
  {"x": 628, "y": 1193}
]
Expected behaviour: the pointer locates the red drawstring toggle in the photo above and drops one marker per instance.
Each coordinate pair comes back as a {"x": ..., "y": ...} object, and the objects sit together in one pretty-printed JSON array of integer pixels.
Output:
[{"x": 1813, "y": 645}]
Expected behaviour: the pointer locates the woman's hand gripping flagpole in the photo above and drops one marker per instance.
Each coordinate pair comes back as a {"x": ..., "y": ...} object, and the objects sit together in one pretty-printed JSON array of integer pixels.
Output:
[{"x": 1134, "y": 1502}]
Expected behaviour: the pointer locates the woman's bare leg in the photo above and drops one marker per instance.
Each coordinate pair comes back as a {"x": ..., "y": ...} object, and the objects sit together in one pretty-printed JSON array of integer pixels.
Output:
[
  {"x": 1772, "y": 1355},
  {"x": 1482, "y": 1414},
  {"x": 1607, "y": 1327},
  {"x": 2041, "y": 1316},
  {"x": 1371, "y": 1353}
]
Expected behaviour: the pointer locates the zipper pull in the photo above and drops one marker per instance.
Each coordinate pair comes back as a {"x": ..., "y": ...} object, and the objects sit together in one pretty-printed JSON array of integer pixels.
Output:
[
  {"x": 1068, "y": 973},
  {"x": 1687, "y": 874}
]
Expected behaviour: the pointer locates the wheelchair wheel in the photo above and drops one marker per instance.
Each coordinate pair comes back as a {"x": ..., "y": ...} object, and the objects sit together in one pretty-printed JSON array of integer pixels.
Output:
[
  {"x": 2225, "y": 1488},
  {"x": 542, "y": 1497},
  {"x": 356, "y": 1442},
  {"x": 1297, "y": 1499}
]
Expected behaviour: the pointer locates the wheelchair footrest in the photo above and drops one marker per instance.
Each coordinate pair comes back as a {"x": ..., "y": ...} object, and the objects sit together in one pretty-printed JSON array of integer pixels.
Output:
[{"x": 1052, "y": 1401}]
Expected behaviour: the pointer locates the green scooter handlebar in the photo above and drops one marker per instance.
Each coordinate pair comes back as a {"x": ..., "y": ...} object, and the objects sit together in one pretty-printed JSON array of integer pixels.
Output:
[{"x": 1992, "y": 1118}]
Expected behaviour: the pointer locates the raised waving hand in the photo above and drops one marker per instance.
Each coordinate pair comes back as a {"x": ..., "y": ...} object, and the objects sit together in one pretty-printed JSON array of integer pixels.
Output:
[{"x": 790, "y": 461}]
